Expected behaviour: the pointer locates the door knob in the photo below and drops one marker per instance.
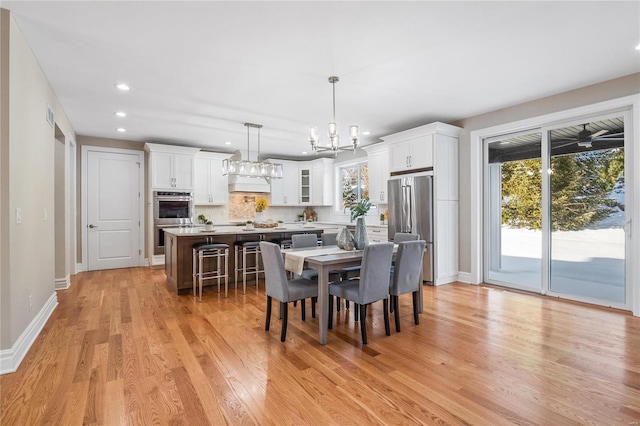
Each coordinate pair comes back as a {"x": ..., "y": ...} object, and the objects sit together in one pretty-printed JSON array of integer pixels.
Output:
[{"x": 93, "y": 226}]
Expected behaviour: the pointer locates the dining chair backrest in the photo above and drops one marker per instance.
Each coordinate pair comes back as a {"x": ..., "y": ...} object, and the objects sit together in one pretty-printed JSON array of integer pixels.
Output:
[
  {"x": 304, "y": 240},
  {"x": 374, "y": 273},
  {"x": 408, "y": 266},
  {"x": 404, "y": 236},
  {"x": 275, "y": 276},
  {"x": 329, "y": 238}
]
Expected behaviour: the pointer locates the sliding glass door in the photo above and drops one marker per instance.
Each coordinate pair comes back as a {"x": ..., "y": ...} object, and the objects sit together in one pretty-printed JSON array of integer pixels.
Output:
[
  {"x": 555, "y": 210},
  {"x": 587, "y": 194},
  {"x": 514, "y": 209}
]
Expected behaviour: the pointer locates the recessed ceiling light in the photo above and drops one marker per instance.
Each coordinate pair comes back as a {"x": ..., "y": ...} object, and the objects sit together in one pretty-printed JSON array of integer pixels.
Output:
[
  {"x": 366, "y": 133},
  {"x": 227, "y": 143},
  {"x": 121, "y": 129},
  {"x": 638, "y": 47},
  {"x": 304, "y": 152},
  {"x": 122, "y": 86},
  {"x": 121, "y": 114}
]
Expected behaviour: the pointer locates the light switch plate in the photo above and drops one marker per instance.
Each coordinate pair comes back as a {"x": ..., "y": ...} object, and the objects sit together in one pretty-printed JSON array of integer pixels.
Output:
[{"x": 18, "y": 215}]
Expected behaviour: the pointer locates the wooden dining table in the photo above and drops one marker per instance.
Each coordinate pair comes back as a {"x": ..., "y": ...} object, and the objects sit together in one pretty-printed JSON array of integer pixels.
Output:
[{"x": 330, "y": 262}]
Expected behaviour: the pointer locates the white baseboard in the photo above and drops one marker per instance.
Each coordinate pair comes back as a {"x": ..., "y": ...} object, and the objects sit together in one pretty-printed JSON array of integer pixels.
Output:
[
  {"x": 145, "y": 263},
  {"x": 62, "y": 283},
  {"x": 10, "y": 359},
  {"x": 465, "y": 277},
  {"x": 79, "y": 267},
  {"x": 157, "y": 260},
  {"x": 446, "y": 280}
]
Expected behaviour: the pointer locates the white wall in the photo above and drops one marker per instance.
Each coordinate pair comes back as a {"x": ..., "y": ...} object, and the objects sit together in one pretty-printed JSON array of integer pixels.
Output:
[{"x": 28, "y": 269}]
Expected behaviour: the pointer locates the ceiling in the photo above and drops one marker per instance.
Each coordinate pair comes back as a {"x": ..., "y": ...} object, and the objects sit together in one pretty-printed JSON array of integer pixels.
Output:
[{"x": 199, "y": 70}]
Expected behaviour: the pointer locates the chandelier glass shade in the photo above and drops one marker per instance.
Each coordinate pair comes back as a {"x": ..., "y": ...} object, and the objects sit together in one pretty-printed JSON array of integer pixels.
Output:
[
  {"x": 334, "y": 138},
  {"x": 236, "y": 166}
]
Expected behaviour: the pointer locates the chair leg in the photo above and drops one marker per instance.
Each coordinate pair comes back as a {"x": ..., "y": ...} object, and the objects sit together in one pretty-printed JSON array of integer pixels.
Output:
[
  {"x": 313, "y": 306},
  {"x": 267, "y": 322},
  {"x": 285, "y": 320},
  {"x": 338, "y": 304},
  {"x": 416, "y": 317},
  {"x": 330, "y": 320},
  {"x": 363, "y": 328},
  {"x": 391, "y": 305},
  {"x": 356, "y": 312},
  {"x": 385, "y": 304},
  {"x": 346, "y": 304},
  {"x": 396, "y": 313},
  {"x": 303, "y": 309}
]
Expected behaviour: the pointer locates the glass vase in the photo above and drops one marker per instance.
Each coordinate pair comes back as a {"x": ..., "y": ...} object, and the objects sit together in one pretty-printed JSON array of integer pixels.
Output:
[
  {"x": 361, "y": 238},
  {"x": 259, "y": 217}
]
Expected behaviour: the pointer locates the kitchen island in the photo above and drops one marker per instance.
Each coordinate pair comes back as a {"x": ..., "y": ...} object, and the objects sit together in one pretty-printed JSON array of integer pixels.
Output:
[{"x": 179, "y": 243}]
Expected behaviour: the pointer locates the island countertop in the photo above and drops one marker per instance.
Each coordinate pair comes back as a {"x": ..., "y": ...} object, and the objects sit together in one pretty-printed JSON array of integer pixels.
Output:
[
  {"x": 179, "y": 244},
  {"x": 242, "y": 230}
]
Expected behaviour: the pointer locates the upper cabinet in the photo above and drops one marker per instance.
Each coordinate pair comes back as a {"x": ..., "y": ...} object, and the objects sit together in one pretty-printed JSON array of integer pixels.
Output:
[
  {"x": 322, "y": 182},
  {"x": 284, "y": 192},
  {"x": 303, "y": 183},
  {"x": 378, "y": 166},
  {"x": 211, "y": 187},
  {"x": 415, "y": 153},
  {"x": 171, "y": 167}
]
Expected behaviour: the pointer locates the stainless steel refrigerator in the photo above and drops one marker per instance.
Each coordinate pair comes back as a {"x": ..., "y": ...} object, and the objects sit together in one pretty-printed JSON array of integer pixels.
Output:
[{"x": 411, "y": 210}]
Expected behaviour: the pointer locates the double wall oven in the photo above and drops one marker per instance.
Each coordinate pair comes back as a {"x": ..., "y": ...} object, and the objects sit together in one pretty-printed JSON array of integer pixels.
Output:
[{"x": 171, "y": 209}]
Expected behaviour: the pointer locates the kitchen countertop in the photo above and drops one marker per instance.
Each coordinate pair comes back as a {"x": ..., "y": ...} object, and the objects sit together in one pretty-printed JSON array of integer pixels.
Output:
[{"x": 232, "y": 230}]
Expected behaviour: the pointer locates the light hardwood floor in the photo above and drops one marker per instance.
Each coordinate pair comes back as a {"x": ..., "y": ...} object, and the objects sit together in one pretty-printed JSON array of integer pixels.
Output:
[{"x": 121, "y": 349}]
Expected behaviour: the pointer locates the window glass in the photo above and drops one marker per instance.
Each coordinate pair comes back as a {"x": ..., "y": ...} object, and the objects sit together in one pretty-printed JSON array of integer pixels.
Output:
[{"x": 354, "y": 184}]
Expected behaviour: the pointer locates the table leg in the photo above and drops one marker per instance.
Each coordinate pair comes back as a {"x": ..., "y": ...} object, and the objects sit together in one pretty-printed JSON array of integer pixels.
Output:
[{"x": 323, "y": 303}]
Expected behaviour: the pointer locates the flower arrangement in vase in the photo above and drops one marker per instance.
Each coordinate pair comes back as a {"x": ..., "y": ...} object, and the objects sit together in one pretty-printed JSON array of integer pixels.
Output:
[{"x": 261, "y": 205}]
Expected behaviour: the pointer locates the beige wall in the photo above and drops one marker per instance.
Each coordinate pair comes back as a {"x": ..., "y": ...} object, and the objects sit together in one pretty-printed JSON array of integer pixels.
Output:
[
  {"x": 30, "y": 184},
  {"x": 612, "y": 89},
  {"x": 5, "y": 293}
]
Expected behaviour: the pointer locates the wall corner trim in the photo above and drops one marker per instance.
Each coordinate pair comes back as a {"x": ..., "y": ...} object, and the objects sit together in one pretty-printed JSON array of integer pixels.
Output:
[
  {"x": 62, "y": 283},
  {"x": 10, "y": 359}
]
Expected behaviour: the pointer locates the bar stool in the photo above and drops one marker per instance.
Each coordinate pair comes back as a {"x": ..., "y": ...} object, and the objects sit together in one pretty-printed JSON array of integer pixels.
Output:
[
  {"x": 247, "y": 248},
  {"x": 220, "y": 253}
]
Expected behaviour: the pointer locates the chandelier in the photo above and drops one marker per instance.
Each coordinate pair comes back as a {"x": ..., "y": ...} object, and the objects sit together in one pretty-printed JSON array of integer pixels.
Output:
[
  {"x": 236, "y": 166},
  {"x": 334, "y": 138}
]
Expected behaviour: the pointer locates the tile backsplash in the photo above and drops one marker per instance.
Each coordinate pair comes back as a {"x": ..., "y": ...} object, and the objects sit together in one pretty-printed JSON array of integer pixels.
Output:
[{"x": 241, "y": 208}]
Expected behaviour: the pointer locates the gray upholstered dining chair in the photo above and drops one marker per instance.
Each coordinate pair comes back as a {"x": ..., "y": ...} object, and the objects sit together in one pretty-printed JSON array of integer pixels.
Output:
[
  {"x": 404, "y": 236},
  {"x": 279, "y": 287},
  {"x": 371, "y": 286},
  {"x": 405, "y": 276},
  {"x": 329, "y": 238}
]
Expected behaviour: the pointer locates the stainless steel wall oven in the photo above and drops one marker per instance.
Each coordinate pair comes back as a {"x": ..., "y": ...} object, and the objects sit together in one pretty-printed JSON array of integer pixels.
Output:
[{"x": 171, "y": 209}]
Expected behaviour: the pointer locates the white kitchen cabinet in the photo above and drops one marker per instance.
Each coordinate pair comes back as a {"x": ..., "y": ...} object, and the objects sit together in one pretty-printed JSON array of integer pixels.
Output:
[
  {"x": 304, "y": 184},
  {"x": 378, "y": 165},
  {"x": 171, "y": 167},
  {"x": 211, "y": 187},
  {"x": 433, "y": 150},
  {"x": 377, "y": 234},
  {"x": 415, "y": 153},
  {"x": 322, "y": 182},
  {"x": 284, "y": 192}
]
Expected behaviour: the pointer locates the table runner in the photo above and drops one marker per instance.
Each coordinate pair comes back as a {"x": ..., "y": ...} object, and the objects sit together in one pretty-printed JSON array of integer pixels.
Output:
[{"x": 294, "y": 260}]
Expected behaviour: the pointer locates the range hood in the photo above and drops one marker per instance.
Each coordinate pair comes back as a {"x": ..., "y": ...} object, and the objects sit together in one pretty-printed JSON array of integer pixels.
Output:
[{"x": 248, "y": 184}]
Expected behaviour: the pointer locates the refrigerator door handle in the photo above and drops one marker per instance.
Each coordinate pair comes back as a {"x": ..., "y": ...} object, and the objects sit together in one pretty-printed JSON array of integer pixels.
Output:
[{"x": 409, "y": 209}]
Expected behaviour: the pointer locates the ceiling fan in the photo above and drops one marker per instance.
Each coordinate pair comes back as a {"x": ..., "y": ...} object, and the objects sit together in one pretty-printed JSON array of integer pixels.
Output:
[{"x": 585, "y": 138}]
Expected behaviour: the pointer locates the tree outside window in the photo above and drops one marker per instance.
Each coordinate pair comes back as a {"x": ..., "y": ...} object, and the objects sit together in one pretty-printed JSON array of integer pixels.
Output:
[{"x": 354, "y": 184}]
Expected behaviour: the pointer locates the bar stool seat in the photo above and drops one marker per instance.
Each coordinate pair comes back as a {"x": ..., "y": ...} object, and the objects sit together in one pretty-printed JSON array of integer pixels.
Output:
[
  {"x": 247, "y": 248},
  {"x": 218, "y": 252}
]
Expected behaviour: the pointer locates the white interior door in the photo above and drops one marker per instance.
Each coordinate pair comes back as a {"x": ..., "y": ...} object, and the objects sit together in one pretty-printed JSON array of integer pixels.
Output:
[{"x": 113, "y": 210}]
